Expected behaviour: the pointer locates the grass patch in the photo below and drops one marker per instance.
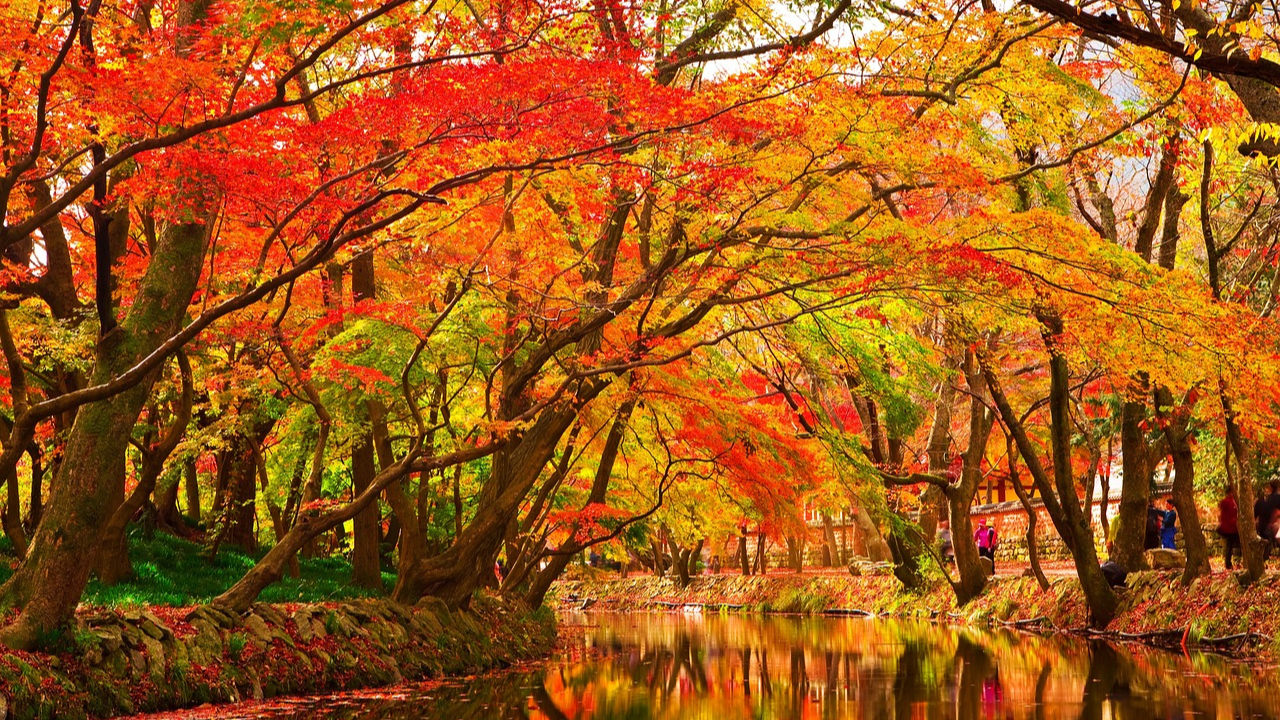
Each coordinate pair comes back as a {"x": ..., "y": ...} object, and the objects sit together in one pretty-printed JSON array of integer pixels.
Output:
[
  {"x": 171, "y": 571},
  {"x": 801, "y": 600}
]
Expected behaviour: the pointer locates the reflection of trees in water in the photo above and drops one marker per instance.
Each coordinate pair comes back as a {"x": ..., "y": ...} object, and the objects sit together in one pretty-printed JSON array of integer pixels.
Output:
[{"x": 675, "y": 666}]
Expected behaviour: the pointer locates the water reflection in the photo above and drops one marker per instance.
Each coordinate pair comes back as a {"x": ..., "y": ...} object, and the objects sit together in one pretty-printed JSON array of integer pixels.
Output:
[
  {"x": 691, "y": 667},
  {"x": 682, "y": 667}
]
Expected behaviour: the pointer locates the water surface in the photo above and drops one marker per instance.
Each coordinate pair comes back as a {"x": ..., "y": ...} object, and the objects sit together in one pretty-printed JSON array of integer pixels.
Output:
[{"x": 676, "y": 666}]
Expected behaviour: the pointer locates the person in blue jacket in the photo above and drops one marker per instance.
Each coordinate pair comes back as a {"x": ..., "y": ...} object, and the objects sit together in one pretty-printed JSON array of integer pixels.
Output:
[{"x": 1168, "y": 526}]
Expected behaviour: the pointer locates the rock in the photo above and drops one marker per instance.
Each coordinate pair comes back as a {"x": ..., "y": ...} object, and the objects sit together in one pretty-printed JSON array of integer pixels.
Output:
[
  {"x": 435, "y": 606},
  {"x": 138, "y": 661},
  {"x": 208, "y": 638},
  {"x": 303, "y": 624},
  {"x": 350, "y": 628},
  {"x": 110, "y": 638},
  {"x": 151, "y": 629},
  {"x": 258, "y": 628},
  {"x": 131, "y": 634},
  {"x": 988, "y": 567},
  {"x": 92, "y": 657},
  {"x": 155, "y": 658},
  {"x": 268, "y": 613},
  {"x": 1165, "y": 559},
  {"x": 181, "y": 660}
]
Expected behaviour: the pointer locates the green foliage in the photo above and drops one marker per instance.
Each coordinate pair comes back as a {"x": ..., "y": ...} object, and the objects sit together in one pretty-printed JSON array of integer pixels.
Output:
[
  {"x": 801, "y": 600},
  {"x": 172, "y": 571},
  {"x": 236, "y": 643}
]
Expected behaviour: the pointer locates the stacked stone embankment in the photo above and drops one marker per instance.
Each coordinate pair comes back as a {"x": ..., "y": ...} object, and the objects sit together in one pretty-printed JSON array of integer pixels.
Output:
[{"x": 120, "y": 662}]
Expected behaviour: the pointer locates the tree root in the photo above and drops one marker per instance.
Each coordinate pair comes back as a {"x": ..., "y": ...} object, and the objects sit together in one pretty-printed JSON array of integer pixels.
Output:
[{"x": 1176, "y": 638}]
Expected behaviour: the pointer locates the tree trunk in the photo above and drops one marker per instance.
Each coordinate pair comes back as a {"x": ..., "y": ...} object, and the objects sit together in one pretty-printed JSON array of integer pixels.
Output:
[
  {"x": 454, "y": 574},
  {"x": 680, "y": 563},
  {"x": 1250, "y": 543},
  {"x": 191, "y": 480},
  {"x": 972, "y": 579},
  {"x": 830, "y": 551},
  {"x": 112, "y": 559},
  {"x": 12, "y": 517},
  {"x": 366, "y": 570},
  {"x": 51, "y": 580},
  {"x": 1184, "y": 469},
  {"x": 795, "y": 551},
  {"x": 238, "y": 478},
  {"x": 599, "y": 491},
  {"x": 37, "y": 487},
  {"x": 743, "y": 557},
  {"x": 1135, "y": 489},
  {"x": 1059, "y": 496},
  {"x": 1033, "y": 551},
  {"x": 877, "y": 548}
]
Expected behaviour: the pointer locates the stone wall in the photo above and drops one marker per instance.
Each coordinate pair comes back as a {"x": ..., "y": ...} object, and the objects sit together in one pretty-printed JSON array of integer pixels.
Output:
[{"x": 114, "y": 663}]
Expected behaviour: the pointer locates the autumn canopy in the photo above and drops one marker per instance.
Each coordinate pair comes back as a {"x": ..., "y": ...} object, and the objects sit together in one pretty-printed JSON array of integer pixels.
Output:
[{"x": 439, "y": 285}]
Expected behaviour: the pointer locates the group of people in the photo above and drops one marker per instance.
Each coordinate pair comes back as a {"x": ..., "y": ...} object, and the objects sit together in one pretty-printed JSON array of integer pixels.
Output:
[
  {"x": 1266, "y": 521},
  {"x": 984, "y": 536}
]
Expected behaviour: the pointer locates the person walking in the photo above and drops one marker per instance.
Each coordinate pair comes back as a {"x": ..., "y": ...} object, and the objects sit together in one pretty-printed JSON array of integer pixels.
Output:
[
  {"x": 1228, "y": 525},
  {"x": 1265, "y": 510},
  {"x": 985, "y": 537},
  {"x": 945, "y": 545},
  {"x": 1151, "y": 539},
  {"x": 1169, "y": 526}
]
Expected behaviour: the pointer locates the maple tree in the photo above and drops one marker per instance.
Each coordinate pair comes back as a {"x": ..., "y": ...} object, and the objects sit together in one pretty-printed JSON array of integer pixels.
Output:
[{"x": 516, "y": 280}]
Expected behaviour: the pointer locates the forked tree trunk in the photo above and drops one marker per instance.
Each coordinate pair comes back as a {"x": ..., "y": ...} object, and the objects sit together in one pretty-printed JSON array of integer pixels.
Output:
[
  {"x": 311, "y": 524},
  {"x": 795, "y": 551},
  {"x": 1059, "y": 496},
  {"x": 830, "y": 550},
  {"x": 51, "y": 580},
  {"x": 238, "y": 477},
  {"x": 112, "y": 561},
  {"x": 1033, "y": 550},
  {"x": 972, "y": 579},
  {"x": 456, "y": 573},
  {"x": 1184, "y": 500},
  {"x": 609, "y": 455},
  {"x": 762, "y": 559}
]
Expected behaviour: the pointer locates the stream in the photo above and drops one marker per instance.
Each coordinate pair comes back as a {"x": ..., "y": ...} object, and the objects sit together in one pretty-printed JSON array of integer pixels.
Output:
[{"x": 679, "y": 666}]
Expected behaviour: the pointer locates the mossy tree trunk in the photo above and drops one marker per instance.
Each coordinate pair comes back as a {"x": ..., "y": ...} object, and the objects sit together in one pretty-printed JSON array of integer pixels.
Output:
[
  {"x": 49, "y": 583},
  {"x": 1135, "y": 488},
  {"x": 112, "y": 561}
]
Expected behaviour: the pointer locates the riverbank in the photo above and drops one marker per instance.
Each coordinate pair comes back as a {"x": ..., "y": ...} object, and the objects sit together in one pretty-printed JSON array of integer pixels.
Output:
[
  {"x": 145, "y": 660},
  {"x": 1214, "y": 613}
]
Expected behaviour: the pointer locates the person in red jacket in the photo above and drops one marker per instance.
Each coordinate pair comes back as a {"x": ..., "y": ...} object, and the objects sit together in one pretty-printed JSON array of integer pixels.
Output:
[{"x": 1228, "y": 524}]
